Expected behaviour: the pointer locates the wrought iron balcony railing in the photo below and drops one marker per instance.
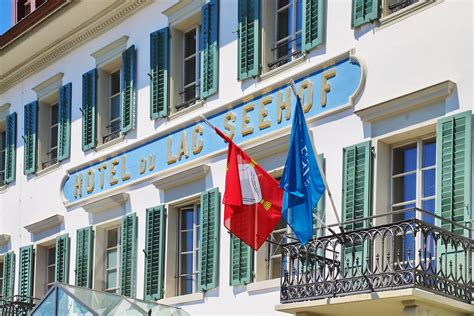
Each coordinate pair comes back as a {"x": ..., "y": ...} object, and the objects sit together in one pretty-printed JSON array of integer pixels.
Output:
[
  {"x": 17, "y": 305},
  {"x": 411, "y": 252}
]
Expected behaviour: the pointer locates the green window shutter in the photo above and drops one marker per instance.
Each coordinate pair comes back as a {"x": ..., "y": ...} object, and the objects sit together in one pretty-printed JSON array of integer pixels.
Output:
[
  {"x": 320, "y": 209},
  {"x": 209, "y": 48},
  {"x": 62, "y": 259},
  {"x": 128, "y": 255},
  {"x": 313, "y": 24},
  {"x": 89, "y": 109},
  {"x": 453, "y": 170},
  {"x": 10, "y": 150},
  {"x": 159, "y": 80},
  {"x": 241, "y": 262},
  {"x": 249, "y": 39},
  {"x": 357, "y": 182},
  {"x": 30, "y": 138},
  {"x": 127, "y": 105},
  {"x": 25, "y": 273},
  {"x": 364, "y": 11},
  {"x": 84, "y": 257},
  {"x": 64, "y": 119},
  {"x": 8, "y": 274},
  {"x": 155, "y": 252},
  {"x": 209, "y": 255}
]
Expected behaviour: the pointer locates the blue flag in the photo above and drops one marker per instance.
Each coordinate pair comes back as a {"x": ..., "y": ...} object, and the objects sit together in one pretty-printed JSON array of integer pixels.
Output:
[{"x": 301, "y": 181}]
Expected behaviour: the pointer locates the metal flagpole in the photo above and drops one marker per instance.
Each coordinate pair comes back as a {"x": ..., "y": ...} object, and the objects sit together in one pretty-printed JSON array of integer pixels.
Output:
[{"x": 321, "y": 171}]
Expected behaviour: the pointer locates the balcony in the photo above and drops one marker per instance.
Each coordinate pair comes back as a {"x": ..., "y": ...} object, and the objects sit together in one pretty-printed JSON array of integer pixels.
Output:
[
  {"x": 17, "y": 305},
  {"x": 409, "y": 250}
]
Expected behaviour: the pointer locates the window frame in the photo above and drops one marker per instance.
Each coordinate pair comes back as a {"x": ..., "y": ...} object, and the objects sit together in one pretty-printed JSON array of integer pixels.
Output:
[
  {"x": 196, "y": 248},
  {"x": 197, "y": 57},
  {"x": 117, "y": 248},
  {"x": 2, "y": 278},
  {"x": 3, "y": 150},
  {"x": 55, "y": 125},
  {"x": 118, "y": 94},
  {"x": 48, "y": 265}
]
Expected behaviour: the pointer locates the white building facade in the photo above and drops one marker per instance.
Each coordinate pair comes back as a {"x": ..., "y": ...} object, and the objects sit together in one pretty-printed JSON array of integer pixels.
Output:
[{"x": 112, "y": 181}]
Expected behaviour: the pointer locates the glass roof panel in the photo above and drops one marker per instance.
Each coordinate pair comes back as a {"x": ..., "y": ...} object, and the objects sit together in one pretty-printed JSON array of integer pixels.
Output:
[
  {"x": 67, "y": 305},
  {"x": 47, "y": 306}
]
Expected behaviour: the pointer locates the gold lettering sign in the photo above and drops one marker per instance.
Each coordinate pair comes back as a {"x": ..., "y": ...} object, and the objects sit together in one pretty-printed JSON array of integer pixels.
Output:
[
  {"x": 308, "y": 100},
  {"x": 230, "y": 127},
  {"x": 125, "y": 174},
  {"x": 263, "y": 113},
  {"x": 183, "y": 146},
  {"x": 246, "y": 129},
  {"x": 142, "y": 166},
  {"x": 171, "y": 157},
  {"x": 78, "y": 186},
  {"x": 151, "y": 162},
  {"x": 102, "y": 168},
  {"x": 284, "y": 104},
  {"x": 112, "y": 172},
  {"x": 325, "y": 86},
  {"x": 197, "y": 144},
  {"x": 90, "y": 180}
]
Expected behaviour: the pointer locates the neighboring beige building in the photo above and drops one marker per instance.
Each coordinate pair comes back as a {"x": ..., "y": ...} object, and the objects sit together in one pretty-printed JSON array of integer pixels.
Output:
[{"x": 111, "y": 181}]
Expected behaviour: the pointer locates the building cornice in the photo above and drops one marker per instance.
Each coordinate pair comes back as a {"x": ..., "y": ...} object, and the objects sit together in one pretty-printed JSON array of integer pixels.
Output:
[{"x": 90, "y": 29}]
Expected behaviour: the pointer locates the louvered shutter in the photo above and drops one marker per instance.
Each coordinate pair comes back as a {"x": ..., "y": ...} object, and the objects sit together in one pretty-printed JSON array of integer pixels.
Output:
[
  {"x": 8, "y": 274},
  {"x": 313, "y": 24},
  {"x": 241, "y": 262},
  {"x": 10, "y": 150},
  {"x": 64, "y": 120},
  {"x": 127, "y": 105},
  {"x": 453, "y": 169},
  {"x": 62, "y": 259},
  {"x": 25, "y": 273},
  {"x": 89, "y": 109},
  {"x": 209, "y": 220},
  {"x": 356, "y": 201},
  {"x": 364, "y": 11},
  {"x": 84, "y": 257},
  {"x": 249, "y": 39},
  {"x": 30, "y": 138},
  {"x": 159, "y": 89},
  {"x": 128, "y": 255},
  {"x": 320, "y": 209},
  {"x": 209, "y": 48},
  {"x": 155, "y": 252}
]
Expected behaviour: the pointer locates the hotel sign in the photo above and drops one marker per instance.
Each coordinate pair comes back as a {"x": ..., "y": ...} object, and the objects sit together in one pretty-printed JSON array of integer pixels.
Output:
[{"x": 323, "y": 90}]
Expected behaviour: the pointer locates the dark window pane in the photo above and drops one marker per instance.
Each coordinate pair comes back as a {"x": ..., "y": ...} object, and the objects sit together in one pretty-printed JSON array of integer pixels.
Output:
[
  {"x": 276, "y": 268},
  {"x": 115, "y": 126},
  {"x": 186, "y": 241},
  {"x": 54, "y": 136},
  {"x": 299, "y": 15},
  {"x": 186, "y": 264},
  {"x": 429, "y": 178},
  {"x": 284, "y": 48},
  {"x": 50, "y": 274},
  {"x": 115, "y": 82},
  {"x": 404, "y": 188},
  {"x": 283, "y": 24},
  {"x": 54, "y": 114},
  {"x": 429, "y": 153},
  {"x": 189, "y": 43},
  {"x": 190, "y": 93},
  {"x": 189, "y": 71},
  {"x": 282, "y": 3},
  {"x": 404, "y": 159},
  {"x": 187, "y": 219},
  {"x": 115, "y": 107},
  {"x": 407, "y": 214},
  {"x": 186, "y": 285},
  {"x": 51, "y": 255},
  {"x": 429, "y": 206},
  {"x": 112, "y": 238}
]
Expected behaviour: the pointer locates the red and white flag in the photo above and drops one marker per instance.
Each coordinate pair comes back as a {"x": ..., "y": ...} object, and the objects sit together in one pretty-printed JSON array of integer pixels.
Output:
[{"x": 252, "y": 197}]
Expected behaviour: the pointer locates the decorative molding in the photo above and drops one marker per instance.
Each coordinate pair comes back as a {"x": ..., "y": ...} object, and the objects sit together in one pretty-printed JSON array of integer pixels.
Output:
[
  {"x": 45, "y": 224},
  {"x": 181, "y": 299},
  {"x": 111, "y": 51},
  {"x": 48, "y": 86},
  {"x": 408, "y": 102},
  {"x": 106, "y": 203},
  {"x": 179, "y": 178},
  {"x": 4, "y": 239},
  {"x": 90, "y": 29},
  {"x": 266, "y": 285}
]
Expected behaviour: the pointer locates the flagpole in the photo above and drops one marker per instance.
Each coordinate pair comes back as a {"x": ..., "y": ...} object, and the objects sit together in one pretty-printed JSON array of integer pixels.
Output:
[{"x": 321, "y": 171}]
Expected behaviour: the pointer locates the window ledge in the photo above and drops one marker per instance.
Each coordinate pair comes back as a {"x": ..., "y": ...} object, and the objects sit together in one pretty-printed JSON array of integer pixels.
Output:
[
  {"x": 111, "y": 143},
  {"x": 3, "y": 188},
  {"x": 4, "y": 239},
  {"x": 45, "y": 224},
  {"x": 406, "y": 12},
  {"x": 179, "y": 178},
  {"x": 256, "y": 287},
  {"x": 47, "y": 170},
  {"x": 282, "y": 68},
  {"x": 189, "y": 298},
  {"x": 187, "y": 110},
  {"x": 106, "y": 203}
]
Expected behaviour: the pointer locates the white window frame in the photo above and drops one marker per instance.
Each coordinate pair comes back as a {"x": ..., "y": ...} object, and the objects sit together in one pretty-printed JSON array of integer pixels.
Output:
[
  {"x": 111, "y": 97},
  {"x": 196, "y": 206},
  {"x": 48, "y": 265},
  {"x": 196, "y": 56},
  {"x": 117, "y": 248},
  {"x": 51, "y": 147},
  {"x": 2, "y": 279},
  {"x": 3, "y": 149}
]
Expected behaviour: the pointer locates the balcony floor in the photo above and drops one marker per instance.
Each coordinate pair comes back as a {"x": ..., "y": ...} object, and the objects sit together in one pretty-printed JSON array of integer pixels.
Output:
[{"x": 404, "y": 302}]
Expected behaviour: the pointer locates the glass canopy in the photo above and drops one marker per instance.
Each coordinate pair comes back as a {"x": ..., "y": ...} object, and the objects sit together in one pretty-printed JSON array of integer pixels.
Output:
[{"x": 64, "y": 299}]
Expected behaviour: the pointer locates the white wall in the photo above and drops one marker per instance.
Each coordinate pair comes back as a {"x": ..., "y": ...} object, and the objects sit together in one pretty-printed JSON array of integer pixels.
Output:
[{"x": 429, "y": 47}]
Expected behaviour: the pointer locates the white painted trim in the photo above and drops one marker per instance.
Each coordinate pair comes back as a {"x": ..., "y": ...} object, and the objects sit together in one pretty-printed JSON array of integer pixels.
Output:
[
  {"x": 47, "y": 170},
  {"x": 406, "y": 12},
  {"x": 188, "y": 298},
  {"x": 110, "y": 52},
  {"x": 49, "y": 86},
  {"x": 180, "y": 178},
  {"x": 255, "y": 287},
  {"x": 45, "y": 224},
  {"x": 197, "y": 105},
  {"x": 408, "y": 102},
  {"x": 106, "y": 203},
  {"x": 182, "y": 10},
  {"x": 111, "y": 143},
  {"x": 272, "y": 73}
]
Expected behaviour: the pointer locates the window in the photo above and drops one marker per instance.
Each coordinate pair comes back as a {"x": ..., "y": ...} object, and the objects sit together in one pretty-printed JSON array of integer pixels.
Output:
[
  {"x": 53, "y": 135},
  {"x": 114, "y": 120},
  {"x": 185, "y": 61},
  {"x": 392, "y": 6},
  {"x": 2, "y": 156},
  {"x": 190, "y": 91},
  {"x": 48, "y": 125},
  {"x": 23, "y": 8},
  {"x": 189, "y": 247},
  {"x": 50, "y": 267},
  {"x": 273, "y": 258},
  {"x": 112, "y": 260},
  {"x": 109, "y": 102},
  {"x": 288, "y": 17}
]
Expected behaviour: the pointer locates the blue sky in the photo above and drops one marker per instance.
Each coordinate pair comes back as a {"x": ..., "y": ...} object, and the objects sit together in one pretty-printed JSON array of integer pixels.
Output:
[{"x": 5, "y": 15}]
